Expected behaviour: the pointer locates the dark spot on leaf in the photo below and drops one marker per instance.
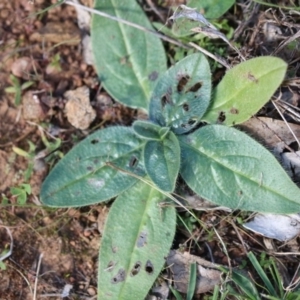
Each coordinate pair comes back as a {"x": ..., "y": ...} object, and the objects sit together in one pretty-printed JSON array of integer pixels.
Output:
[
  {"x": 166, "y": 98},
  {"x": 191, "y": 122},
  {"x": 125, "y": 60},
  {"x": 195, "y": 87},
  {"x": 252, "y": 77},
  {"x": 234, "y": 111},
  {"x": 153, "y": 76},
  {"x": 119, "y": 277},
  {"x": 114, "y": 249},
  {"x": 136, "y": 268},
  {"x": 240, "y": 193},
  {"x": 142, "y": 239},
  {"x": 94, "y": 141},
  {"x": 149, "y": 267},
  {"x": 110, "y": 266},
  {"x": 221, "y": 117},
  {"x": 96, "y": 161},
  {"x": 89, "y": 168},
  {"x": 182, "y": 82},
  {"x": 185, "y": 107},
  {"x": 164, "y": 101},
  {"x": 133, "y": 162}
]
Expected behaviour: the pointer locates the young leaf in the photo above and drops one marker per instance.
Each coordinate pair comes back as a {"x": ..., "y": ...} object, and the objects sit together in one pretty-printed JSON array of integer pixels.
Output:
[
  {"x": 245, "y": 89},
  {"x": 182, "y": 94},
  {"x": 128, "y": 61},
  {"x": 227, "y": 167},
  {"x": 162, "y": 161},
  {"x": 147, "y": 130},
  {"x": 90, "y": 173},
  {"x": 137, "y": 236}
]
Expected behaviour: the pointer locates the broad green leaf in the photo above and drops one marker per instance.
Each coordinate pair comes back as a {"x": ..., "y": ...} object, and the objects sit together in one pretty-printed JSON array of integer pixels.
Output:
[
  {"x": 182, "y": 94},
  {"x": 90, "y": 172},
  {"x": 147, "y": 130},
  {"x": 227, "y": 167},
  {"x": 162, "y": 161},
  {"x": 128, "y": 61},
  {"x": 245, "y": 89},
  {"x": 137, "y": 237},
  {"x": 211, "y": 9}
]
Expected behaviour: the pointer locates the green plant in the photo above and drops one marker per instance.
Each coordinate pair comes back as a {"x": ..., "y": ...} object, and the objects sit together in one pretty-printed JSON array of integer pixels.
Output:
[
  {"x": 140, "y": 165},
  {"x": 21, "y": 193},
  {"x": 17, "y": 88},
  {"x": 212, "y": 9},
  {"x": 31, "y": 155},
  {"x": 188, "y": 17},
  {"x": 55, "y": 62},
  {"x": 131, "y": 61},
  {"x": 271, "y": 288}
]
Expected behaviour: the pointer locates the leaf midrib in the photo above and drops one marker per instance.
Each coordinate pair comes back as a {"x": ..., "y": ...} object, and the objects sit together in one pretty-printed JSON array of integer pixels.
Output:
[
  {"x": 127, "y": 46},
  {"x": 94, "y": 171},
  {"x": 148, "y": 203},
  {"x": 240, "y": 174},
  {"x": 235, "y": 95}
]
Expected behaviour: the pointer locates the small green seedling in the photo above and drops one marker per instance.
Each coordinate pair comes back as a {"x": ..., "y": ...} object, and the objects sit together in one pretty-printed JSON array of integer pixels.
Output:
[
  {"x": 17, "y": 88},
  {"x": 29, "y": 155},
  {"x": 55, "y": 62},
  {"x": 21, "y": 193}
]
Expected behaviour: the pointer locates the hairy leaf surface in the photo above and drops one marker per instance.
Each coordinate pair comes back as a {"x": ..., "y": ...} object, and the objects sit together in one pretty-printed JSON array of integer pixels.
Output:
[
  {"x": 137, "y": 236},
  {"x": 162, "y": 161},
  {"x": 182, "y": 94},
  {"x": 245, "y": 89},
  {"x": 227, "y": 167},
  {"x": 147, "y": 130},
  {"x": 83, "y": 176},
  {"x": 128, "y": 61}
]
